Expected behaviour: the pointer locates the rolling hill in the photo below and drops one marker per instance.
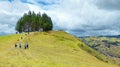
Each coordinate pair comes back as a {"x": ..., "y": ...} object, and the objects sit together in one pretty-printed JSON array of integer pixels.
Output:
[
  {"x": 107, "y": 45},
  {"x": 49, "y": 49}
]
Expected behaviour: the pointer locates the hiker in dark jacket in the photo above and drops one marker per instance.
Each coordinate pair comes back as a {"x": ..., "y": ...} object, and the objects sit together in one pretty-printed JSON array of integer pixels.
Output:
[
  {"x": 15, "y": 45},
  {"x": 26, "y": 46},
  {"x": 20, "y": 45}
]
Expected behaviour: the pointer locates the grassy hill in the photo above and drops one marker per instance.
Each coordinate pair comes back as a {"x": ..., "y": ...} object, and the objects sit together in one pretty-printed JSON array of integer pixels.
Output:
[
  {"x": 108, "y": 46},
  {"x": 48, "y": 49}
]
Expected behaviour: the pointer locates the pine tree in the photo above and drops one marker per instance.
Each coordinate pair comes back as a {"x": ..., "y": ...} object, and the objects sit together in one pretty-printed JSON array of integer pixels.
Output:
[
  {"x": 46, "y": 22},
  {"x": 33, "y": 22}
]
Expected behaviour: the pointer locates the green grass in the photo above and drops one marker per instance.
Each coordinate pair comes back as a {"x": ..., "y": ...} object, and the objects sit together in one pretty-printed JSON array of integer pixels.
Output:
[
  {"x": 47, "y": 49},
  {"x": 108, "y": 46}
]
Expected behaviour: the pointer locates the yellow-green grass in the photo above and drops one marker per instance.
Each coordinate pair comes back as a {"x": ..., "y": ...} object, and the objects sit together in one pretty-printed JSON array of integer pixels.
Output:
[{"x": 46, "y": 49}]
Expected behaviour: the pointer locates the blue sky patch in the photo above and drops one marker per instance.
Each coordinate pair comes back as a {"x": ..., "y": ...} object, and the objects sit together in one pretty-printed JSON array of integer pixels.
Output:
[
  {"x": 45, "y": 3},
  {"x": 10, "y": 0}
]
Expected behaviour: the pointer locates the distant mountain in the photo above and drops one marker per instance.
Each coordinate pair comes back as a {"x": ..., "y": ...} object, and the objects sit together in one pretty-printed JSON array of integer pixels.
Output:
[
  {"x": 111, "y": 36},
  {"x": 2, "y": 34}
]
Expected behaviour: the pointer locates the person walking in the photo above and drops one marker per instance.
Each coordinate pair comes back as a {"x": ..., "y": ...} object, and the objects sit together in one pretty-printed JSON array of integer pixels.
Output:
[
  {"x": 20, "y": 45},
  {"x": 27, "y": 45},
  {"x": 15, "y": 45}
]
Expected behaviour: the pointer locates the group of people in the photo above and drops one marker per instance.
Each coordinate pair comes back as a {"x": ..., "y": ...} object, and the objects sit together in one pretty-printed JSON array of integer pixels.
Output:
[{"x": 26, "y": 46}]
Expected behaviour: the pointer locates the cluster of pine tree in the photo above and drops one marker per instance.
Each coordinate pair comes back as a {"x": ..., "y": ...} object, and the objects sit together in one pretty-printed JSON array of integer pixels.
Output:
[{"x": 34, "y": 22}]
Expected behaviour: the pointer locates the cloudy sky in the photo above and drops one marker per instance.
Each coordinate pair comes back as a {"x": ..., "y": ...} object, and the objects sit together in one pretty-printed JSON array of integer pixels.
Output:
[{"x": 78, "y": 17}]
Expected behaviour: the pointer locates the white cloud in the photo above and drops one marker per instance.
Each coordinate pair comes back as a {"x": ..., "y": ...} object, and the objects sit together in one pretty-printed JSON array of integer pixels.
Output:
[
  {"x": 85, "y": 17},
  {"x": 4, "y": 28},
  {"x": 11, "y": 12},
  {"x": 108, "y": 4},
  {"x": 9, "y": 15},
  {"x": 81, "y": 17}
]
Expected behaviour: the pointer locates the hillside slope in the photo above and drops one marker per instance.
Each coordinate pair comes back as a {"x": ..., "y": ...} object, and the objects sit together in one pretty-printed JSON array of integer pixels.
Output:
[
  {"x": 51, "y": 49},
  {"x": 108, "y": 46}
]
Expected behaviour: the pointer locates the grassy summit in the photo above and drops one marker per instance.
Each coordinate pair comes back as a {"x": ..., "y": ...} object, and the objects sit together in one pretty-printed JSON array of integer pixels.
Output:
[{"x": 47, "y": 49}]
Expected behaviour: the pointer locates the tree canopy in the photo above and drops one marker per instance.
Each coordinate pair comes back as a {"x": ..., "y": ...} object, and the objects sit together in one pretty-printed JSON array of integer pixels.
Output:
[{"x": 34, "y": 22}]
